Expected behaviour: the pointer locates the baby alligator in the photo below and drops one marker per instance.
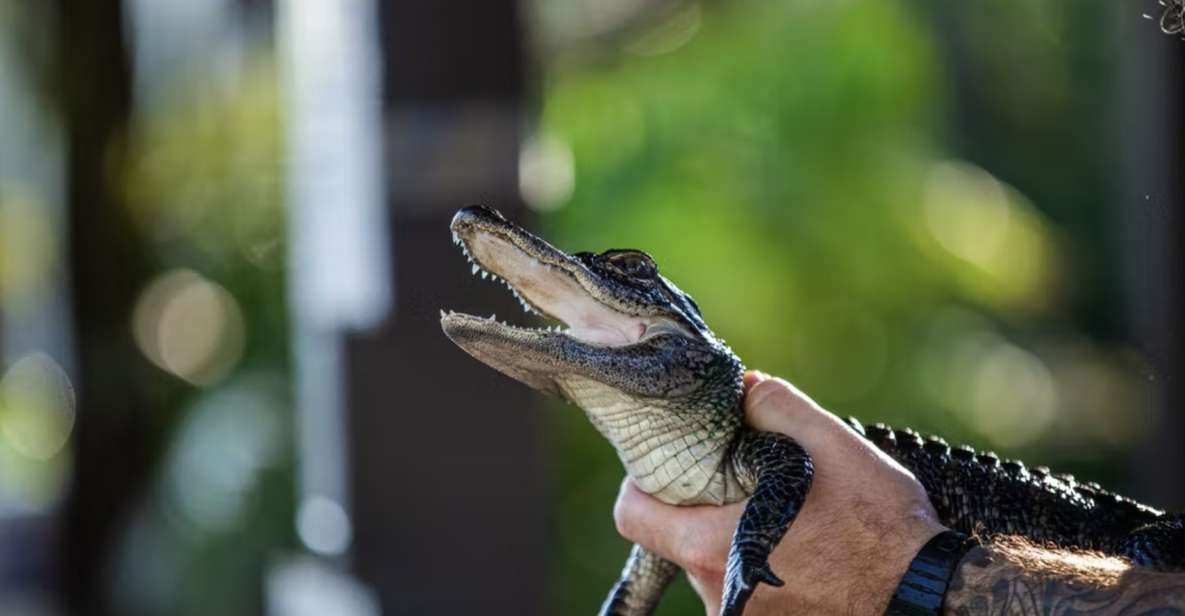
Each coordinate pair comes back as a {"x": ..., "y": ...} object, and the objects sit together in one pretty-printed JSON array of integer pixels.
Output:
[{"x": 637, "y": 356}]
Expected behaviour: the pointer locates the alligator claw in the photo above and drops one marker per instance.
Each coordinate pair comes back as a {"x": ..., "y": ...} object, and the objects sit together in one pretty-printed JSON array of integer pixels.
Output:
[
  {"x": 740, "y": 582},
  {"x": 765, "y": 574}
]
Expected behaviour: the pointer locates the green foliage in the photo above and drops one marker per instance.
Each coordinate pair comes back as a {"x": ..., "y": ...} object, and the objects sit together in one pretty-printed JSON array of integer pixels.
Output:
[{"x": 786, "y": 168}]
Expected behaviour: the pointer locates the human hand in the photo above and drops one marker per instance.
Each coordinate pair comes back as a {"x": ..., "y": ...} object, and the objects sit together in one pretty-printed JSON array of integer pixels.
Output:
[{"x": 863, "y": 521}]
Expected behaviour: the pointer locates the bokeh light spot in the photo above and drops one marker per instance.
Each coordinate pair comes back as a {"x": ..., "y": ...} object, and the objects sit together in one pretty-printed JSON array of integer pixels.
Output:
[
  {"x": 1006, "y": 246},
  {"x": 323, "y": 526},
  {"x": 669, "y": 35},
  {"x": 229, "y": 438},
  {"x": 189, "y": 326},
  {"x": 966, "y": 211},
  {"x": 546, "y": 174},
  {"x": 36, "y": 407},
  {"x": 1006, "y": 393},
  {"x": 1013, "y": 396}
]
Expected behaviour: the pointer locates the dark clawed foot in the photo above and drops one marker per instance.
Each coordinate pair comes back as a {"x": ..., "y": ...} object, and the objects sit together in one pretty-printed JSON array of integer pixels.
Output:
[
  {"x": 740, "y": 582},
  {"x": 783, "y": 471}
]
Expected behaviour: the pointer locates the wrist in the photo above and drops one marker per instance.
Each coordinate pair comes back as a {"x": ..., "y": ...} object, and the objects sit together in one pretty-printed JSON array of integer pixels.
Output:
[
  {"x": 923, "y": 587},
  {"x": 891, "y": 562}
]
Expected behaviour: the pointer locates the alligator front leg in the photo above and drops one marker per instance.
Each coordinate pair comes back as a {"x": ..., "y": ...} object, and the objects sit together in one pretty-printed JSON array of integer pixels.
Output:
[
  {"x": 780, "y": 472},
  {"x": 642, "y": 583}
]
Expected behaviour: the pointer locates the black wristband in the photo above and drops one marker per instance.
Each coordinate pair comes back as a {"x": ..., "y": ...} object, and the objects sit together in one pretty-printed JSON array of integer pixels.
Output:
[{"x": 923, "y": 588}]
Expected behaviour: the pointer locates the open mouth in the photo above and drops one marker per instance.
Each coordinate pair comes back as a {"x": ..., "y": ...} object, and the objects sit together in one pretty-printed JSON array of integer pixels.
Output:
[{"x": 546, "y": 282}]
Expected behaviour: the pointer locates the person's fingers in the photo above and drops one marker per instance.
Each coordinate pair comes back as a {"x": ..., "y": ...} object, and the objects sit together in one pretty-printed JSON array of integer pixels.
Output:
[
  {"x": 639, "y": 518},
  {"x": 695, "y": 538}
]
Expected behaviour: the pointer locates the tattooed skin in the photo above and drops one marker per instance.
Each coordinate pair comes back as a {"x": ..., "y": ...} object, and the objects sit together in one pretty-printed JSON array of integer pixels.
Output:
[{"x": 1013, "y": 577}]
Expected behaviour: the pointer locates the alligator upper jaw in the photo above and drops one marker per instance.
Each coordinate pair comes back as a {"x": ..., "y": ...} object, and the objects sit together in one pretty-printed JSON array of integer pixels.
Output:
[{"x": 546, "y": 280}]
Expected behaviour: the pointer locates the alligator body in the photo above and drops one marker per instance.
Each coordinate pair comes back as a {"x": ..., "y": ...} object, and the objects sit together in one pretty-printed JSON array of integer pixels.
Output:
[{"x": 639, "y": 359}]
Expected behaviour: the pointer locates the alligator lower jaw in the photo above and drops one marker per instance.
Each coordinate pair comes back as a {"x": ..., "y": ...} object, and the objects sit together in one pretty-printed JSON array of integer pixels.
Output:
[
  {"x": 460, "y": 326},
  {"x": 531, "y": 356}
]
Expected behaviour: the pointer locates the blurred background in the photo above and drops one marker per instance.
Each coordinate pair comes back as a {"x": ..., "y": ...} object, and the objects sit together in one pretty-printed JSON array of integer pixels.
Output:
[{"x": 225, "y": 223}]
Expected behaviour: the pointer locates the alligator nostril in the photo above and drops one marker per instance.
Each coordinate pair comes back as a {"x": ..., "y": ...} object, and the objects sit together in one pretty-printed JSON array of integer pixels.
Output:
[
  {"x": 468, "y": 217},
  {"x": 463, "y": 218}
]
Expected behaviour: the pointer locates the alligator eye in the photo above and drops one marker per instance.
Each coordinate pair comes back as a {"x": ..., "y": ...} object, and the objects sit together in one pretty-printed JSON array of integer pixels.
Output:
[{"x": 633, "y": 264}]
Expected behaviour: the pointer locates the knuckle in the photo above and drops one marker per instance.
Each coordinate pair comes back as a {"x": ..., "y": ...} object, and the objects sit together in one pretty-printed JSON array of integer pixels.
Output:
[
  {"x": 777, "y": 406},
  {"x": 623, "y": 519},
  {"x": 703, "y": 568},
  {"x": 700, "y": 561},
  {"x": 770, "y": 401},
  {"x": 769, "y": 392}
]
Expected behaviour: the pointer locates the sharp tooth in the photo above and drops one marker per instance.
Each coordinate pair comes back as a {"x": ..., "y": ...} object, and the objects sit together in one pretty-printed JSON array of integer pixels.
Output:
[
  {"x": 474, "y": 269},
  {"x": 442, "y": 315},
  {"x": 484, "y": 274},
  {"x": 493, "y": 316}
]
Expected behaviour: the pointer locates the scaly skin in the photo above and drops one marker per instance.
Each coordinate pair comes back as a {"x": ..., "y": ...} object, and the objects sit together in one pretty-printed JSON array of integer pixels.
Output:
[
  {"x": 666, "y": 393},
  {"x": 641, "y": 585},
  {"x": 979, "y": 493}
]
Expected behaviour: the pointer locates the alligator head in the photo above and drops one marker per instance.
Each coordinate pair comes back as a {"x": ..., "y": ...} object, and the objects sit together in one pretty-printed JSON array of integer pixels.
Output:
[{"x": 634, "y": 351}]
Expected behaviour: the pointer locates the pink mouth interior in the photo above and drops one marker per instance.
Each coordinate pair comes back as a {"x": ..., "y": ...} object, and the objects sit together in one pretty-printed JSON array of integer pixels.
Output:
[{"x": 557, "y": 293}]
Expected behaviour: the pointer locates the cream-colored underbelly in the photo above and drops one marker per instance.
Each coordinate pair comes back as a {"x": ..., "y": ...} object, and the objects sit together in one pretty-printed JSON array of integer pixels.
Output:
[{"x": 669, "y": 455}]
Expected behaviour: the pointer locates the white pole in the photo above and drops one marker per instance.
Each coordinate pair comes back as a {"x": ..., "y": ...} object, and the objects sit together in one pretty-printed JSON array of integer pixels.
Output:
[{"x": 338, "y": 236}]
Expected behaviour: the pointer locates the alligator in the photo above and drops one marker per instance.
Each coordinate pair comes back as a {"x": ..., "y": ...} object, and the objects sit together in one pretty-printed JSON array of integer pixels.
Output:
[{"x": 636, "y": 355}]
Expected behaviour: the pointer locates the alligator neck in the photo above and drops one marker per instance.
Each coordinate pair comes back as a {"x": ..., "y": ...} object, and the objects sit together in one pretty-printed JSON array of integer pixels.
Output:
[{"x": 677, "y": 455}]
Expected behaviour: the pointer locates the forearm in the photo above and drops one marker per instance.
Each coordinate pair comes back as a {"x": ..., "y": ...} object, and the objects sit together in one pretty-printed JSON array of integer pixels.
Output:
[{"x": 1013, "y": 577}]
